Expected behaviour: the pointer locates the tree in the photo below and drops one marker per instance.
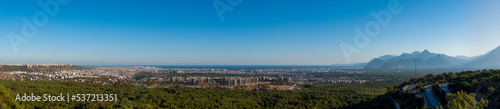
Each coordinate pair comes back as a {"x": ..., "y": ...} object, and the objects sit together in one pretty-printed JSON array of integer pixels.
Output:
[
  {"x": 491, "y": 89},
  {"x": 462, "y": 100},
  {"x": 413, "y": 80},
  {"x": 420, "y": 87},
  {"x": 6, "y": 101}
]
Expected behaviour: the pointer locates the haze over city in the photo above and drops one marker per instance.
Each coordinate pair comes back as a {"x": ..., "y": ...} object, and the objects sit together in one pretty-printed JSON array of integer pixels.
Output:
[{"x": 260, "y": 32}]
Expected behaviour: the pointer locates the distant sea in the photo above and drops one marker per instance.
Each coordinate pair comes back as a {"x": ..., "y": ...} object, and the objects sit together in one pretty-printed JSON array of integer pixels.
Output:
[{"x": 231, "y": 67}]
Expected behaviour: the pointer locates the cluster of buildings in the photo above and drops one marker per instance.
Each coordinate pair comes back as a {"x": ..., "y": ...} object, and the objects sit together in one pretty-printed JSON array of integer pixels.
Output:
[
  {"x": 31, "y": 65},
  {"x": 335, "y": 80},
  {"x": 127, "y": 74},
  {"x": 314, "y": 70},
  {"x": 229, "y": 81},
  {"x": 47, "y": 65},
  {"x": 98, "y": 74},
  {"x": 199, "y": 80},
  {"x": 258, "y": 71},
  {"x": 235, "y": 81},
  {"x": 22, "y": 77},
  {"x": 108, "y": 72}
]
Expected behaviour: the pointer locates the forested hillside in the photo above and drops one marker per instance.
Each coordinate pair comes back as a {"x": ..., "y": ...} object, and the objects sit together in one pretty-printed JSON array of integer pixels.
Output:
[
  {"x": 130, "y": 96},
  {"x": 480, "y": 85},
  {"x": 476, "y": 84},
  {"x": 6, "y": 101}
]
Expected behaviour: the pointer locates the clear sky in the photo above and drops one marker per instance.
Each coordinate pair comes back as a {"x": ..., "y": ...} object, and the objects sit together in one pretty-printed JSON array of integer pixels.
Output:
[{"x": 255, "y": 32}]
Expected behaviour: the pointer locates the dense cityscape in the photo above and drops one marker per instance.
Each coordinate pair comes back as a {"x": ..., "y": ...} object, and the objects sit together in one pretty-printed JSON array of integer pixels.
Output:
[{"x": 121, "y": 75}]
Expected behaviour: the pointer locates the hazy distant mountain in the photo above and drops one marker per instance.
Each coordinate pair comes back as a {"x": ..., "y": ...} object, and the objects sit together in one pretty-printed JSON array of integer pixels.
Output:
[
  {"x": 386, "y": 57},
  {"x": 489, "y": 60},
  {"x": 465, "y": 57},
  {"x": 426, "y": 59}
]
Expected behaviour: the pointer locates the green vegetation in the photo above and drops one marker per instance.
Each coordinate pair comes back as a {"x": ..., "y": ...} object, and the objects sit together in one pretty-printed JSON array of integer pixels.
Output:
[
  {"x": 406, "y": 100},
  {"x": 468, "y": 88},
  {"x": 130, "y": 96},
  {"x": 481, "y": 85},
  {"x": 462, "y": 100},
  {"x": 6, "y": 101}
]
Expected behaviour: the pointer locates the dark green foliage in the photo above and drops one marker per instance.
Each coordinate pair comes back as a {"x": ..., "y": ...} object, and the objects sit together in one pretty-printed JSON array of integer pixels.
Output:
[
  {"x": 130, "y": 96},
  {"x": 479, "y": 82},
  {"x": 462, "y": 100},
  {"x": 6, "y": 101},
  {"x": 441, "y": 95}
]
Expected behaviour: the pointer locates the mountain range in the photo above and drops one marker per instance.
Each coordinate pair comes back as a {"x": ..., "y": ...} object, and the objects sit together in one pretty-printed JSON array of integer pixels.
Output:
[{"x": 427, "y": 59}]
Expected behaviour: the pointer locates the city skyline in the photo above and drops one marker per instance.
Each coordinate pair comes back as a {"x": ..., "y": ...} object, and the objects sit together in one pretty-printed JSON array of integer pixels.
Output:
[{"x": 253, "y": 33}]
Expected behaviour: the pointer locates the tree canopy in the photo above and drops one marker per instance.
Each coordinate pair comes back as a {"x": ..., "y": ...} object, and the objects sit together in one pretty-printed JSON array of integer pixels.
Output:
[{"x": 462, "y": 100}]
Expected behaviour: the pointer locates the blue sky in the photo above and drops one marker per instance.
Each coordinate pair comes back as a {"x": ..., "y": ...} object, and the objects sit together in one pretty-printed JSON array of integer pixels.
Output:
[{"x": 256, "y": 32}]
